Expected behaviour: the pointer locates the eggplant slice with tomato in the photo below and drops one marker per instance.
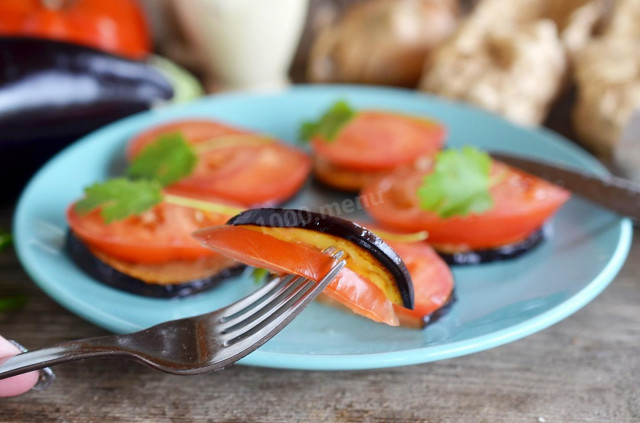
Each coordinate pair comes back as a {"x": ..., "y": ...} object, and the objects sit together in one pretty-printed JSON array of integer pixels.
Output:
[
  {"x": 233, "y": 164},
  {"x": 150, "y": 254},
  {"x": 522, "y": 204},
  {"x": 291, "y": 241},
  {"x": 368, "y": 144},
  {"x": 104, "y": 270},
  {"x": 505, "y": 252}
]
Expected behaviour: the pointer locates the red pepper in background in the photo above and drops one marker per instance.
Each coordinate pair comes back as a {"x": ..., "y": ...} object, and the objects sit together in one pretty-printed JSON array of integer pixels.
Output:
[{"x": 116, "y": 26}]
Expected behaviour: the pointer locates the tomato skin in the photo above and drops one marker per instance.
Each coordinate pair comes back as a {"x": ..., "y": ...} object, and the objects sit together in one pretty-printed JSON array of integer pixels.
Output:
[
  {"x": 362, "y": 297},
  {"x": 116, "y": 26},
  {"x": 263, "y": 172},
  {"x": 432, "y": 281},
  {"x": 376, "y": 140},
  {"x": 157, "y": 236},
  {"x": 255, "y": 248},
  {"x": 522, "y": 203}
]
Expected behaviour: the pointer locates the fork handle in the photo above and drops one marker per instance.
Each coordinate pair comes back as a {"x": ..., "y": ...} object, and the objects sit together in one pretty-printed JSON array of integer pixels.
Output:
[{"x": 100, "y": 347}]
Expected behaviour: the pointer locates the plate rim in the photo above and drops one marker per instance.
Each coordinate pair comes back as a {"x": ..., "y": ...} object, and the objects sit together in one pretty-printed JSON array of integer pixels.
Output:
[{"x": 361, "y": 361}]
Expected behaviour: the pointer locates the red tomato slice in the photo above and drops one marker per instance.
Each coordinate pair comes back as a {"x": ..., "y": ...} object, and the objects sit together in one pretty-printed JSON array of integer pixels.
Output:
[
  {"x": 378, "y": 140},
  {"x": 159, "y": 235},
  {"x": 116, "y": 26},
  {"x": 194, "y": 130},
  {"x": 256, "y": 171},
  {"x": 522, "y": 203},
  {"x": 432, "y": 281},
  {"x": 343, "y": 178},
  {"x": 256, "y": 248}
]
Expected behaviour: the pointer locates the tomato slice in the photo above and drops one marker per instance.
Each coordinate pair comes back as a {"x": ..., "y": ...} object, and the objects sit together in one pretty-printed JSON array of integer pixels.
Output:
[
  {"x": 259, "y": 247},
  {"x": 379, "y": 140},
  {"x": 194, "y": 130},
  {"x": 245, "y": 168},
  {"x": 432, "y": 281},
  {"x": 522, "y": 203},
  {"x": 344, "y": 178},
  {"x": 116, "y": 26},
  {"x": 159, "y": 235}
]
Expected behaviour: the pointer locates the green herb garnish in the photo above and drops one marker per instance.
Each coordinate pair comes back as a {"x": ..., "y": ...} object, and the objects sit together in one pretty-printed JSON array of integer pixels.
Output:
[
  {"x": 12, "y": 303},
  {"x": 258, "y": 275},
  {"x": 6, "y": 239},
  {"x": 121, "y": 198},
  {"x": 459, "y": 184},
  {"x": 166, "y": 160},
  {"x": 330, "y": 124}
]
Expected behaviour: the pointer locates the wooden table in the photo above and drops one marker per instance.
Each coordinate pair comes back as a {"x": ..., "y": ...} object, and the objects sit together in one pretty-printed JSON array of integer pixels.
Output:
[{"x": 584, "y": 369}]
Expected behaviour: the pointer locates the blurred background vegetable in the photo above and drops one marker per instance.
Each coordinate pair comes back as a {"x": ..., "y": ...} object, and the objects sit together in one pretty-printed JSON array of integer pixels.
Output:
[
  {"x": 382, "y": 42},
  {"x": 14, "y": 301},
  {"x": 5, "y": 239},
  {"x": 69, "y": 67},
  {"x": 116, "y": 26},
  {"x": 53, "y": 92}
]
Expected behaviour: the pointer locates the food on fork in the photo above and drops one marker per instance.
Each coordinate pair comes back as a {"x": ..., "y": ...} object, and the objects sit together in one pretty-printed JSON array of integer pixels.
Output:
[
  {"x": 373, "y": 281},
  {"x": 352, "y": 147},
  {"x": 432, "y": 279}
]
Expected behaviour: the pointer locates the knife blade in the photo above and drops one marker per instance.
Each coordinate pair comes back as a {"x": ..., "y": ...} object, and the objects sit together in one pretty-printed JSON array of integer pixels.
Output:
[{"x": 617, "y": 194}]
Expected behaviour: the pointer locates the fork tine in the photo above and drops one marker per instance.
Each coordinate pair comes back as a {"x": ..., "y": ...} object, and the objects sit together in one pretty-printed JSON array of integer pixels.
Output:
[
  {"x": 253, "y": 299},
  {"x": 253, "y": 326},
  {"x": 257, "y": 334},
  {"x": 255, "y": 312},
  {"x": 258, "y": 299}
]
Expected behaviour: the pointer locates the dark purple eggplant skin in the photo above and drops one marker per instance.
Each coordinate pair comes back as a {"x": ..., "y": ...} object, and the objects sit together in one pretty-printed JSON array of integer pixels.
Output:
[
  {"x": 53, "y": 92},
  {"x": 107, "y": 275},
  {"x": 331, "y": 225},
  {"x": 506, "y": 252},
  {"x": 432, "y": 318}
]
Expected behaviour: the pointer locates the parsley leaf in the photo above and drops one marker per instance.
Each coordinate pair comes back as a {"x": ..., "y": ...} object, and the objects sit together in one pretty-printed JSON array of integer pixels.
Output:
[
  {"x": 12, "y": 303},
  {"x": 5, "y": 239},
  {"x": 259, "y": 274},
  {"x": 330, "y": 124},
  {"x": 459, "y": 184},
  {"x": 120, "y": 198},
  {"x": 166, "y": 160}
]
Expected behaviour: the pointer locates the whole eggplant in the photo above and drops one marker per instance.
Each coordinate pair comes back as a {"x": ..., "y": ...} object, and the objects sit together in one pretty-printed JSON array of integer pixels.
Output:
[{"x": 52, "y": 93}]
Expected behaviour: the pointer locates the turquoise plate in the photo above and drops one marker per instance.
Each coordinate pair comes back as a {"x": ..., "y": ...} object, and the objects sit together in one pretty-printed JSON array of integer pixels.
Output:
[{"x": 497, "y": 303}]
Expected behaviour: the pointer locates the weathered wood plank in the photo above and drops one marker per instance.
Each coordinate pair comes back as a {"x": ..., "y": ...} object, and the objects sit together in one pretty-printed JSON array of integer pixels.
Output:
[{"x": 584, "y": 369}]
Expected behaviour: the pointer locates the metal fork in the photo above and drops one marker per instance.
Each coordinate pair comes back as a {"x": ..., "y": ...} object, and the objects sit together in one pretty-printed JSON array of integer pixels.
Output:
[{"x": 194, "y": 345}]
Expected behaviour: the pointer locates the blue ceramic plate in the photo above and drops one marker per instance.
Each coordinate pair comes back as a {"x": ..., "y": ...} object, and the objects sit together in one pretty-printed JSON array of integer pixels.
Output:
[{"x": 496, "y": 304}]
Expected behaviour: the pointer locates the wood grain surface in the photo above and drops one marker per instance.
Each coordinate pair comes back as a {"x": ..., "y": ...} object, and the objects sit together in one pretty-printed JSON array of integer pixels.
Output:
[{"x": 584, "y": 369}]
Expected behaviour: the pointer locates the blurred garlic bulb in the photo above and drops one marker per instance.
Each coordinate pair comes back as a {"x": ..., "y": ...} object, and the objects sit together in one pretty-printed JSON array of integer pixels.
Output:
[
  {"x": 608, "y": 80},
  {"x": 515, "y": 70},
  {"x": 625, "y": 21},
  {"x": 382, "y": 41}
]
